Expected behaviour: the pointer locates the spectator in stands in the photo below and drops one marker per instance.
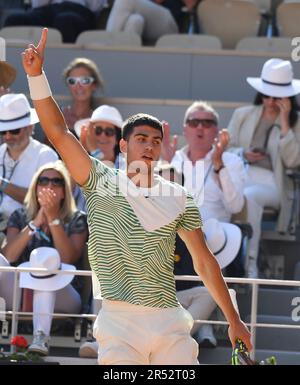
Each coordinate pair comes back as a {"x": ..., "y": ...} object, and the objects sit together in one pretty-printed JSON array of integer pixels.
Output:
[
  {"x": 50, "y": 219},
  {"x": 20, "y": 155},
  {"x": 69, "y": 17},
  {"x": 100, "y": 135},
  {"x": 82, "y": 78},
  {"x": 212, "y": 175},
  {"x": 266, "y": 135},
  {"x": 150, "y": 19},
  {"x": 7, "y": 76}
]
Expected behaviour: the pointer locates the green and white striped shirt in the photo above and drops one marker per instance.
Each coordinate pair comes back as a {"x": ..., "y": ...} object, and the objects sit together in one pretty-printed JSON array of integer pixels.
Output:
[{"x": 132, "y": 235}]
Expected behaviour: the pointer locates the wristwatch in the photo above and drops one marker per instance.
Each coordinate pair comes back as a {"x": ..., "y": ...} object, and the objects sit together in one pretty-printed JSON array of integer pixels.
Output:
[
  {"x": 55, "y": 222},
  {"x": 32, "y": 227}
]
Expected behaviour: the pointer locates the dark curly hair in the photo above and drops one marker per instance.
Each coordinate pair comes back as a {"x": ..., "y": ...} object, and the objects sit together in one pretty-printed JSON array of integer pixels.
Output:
[
  {"x": 293, "y": 117},
  {"x": 140, "y": 120}
]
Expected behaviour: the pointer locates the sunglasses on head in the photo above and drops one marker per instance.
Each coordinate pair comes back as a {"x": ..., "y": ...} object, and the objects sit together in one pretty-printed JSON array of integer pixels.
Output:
[
  {"x": 108, "y": 131},
  {"x": 207, "y": 123},
  {"x": 44, "y": 181},
  {"x": 12, "y": 132},
  {"x": 82, "y": 80}
]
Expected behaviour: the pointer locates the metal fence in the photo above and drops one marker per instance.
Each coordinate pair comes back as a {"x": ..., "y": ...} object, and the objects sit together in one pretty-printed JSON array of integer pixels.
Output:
[{"x": 254, "y": 283}]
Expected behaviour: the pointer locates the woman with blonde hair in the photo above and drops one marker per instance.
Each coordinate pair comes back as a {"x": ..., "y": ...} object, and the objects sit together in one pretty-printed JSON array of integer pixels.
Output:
[
  {"x": 48, "y": 220},
  {"x": 83, "y": 78}
]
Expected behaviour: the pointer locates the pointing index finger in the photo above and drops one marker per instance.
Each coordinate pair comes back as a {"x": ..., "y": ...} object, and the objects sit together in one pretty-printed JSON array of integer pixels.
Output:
[{"x": 42, "y": 43}]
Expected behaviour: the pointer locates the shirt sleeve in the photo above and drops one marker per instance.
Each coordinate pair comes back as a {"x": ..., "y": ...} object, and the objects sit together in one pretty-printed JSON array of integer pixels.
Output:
[
  {"x": 98, "y": 176},
  {"x": 191, "y": 218},
  {"x": 17, "y": 219},
  {"x": 78, "y": 223},
  {"x": 232, "y": 178}
]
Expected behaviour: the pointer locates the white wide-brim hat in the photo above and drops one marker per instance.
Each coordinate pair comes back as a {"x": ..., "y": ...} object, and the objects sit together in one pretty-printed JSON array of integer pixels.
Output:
[
  {"x": 15, "y": 112},
  {"x": 103, "y": 113},
  {"x": 276, "y": 79},
  {"x": 223, "y": 239},
  {"x": 49, "y": 258}
]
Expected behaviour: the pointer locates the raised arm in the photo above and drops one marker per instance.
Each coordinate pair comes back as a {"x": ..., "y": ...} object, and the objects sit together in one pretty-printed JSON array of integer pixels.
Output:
[
  {"x": 207, "y": 267},
  {"x": 51, "y": 118}
]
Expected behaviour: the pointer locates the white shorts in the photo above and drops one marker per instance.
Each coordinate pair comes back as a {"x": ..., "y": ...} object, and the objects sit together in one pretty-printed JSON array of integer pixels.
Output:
[{"x": 138, "y": 335}]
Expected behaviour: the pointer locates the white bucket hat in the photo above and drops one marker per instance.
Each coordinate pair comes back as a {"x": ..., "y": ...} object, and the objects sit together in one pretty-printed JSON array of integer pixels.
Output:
[
  {"x": 15, "y": 112},
  {"x": 47, "y": 258},
  {"x": 223, "y": 239},
  {"x": 276, "y": 79},
  {"x": 103, "y": 113}
]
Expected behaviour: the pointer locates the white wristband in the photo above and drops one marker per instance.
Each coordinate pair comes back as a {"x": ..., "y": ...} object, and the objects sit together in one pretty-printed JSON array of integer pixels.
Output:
[{"x": 39, "y": 87}]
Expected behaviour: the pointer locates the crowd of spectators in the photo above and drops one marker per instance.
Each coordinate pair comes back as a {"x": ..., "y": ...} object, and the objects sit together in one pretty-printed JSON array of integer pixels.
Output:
[{"x": 150, "y": 19}]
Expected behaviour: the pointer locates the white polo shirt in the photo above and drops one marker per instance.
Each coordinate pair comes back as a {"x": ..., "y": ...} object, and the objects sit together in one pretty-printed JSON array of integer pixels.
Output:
[
  {"x": 21, "y": 171},
  {"x": 223, "y": 193}
]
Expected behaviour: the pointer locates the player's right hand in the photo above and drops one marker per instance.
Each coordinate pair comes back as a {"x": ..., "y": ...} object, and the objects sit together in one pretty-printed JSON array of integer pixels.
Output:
[{"x": 33, "y": 56}]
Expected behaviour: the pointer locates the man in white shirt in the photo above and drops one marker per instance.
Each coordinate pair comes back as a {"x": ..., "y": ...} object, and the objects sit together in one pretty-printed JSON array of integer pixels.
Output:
[
  {"x": 20, "y": 155},
  {"x": 212, "y": 175},
  {"x": 69, "y": 17}
]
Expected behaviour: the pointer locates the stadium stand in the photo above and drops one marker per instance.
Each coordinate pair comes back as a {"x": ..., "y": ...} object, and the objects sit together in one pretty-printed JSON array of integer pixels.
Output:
[
  {"x": 29, "y": 34},
  {"x": 186, "y": 41},
  {"x": 94, "y": 39},
  {"x": 230, "y": 20},
  {"x": 158, "y": 73},
  {"x": 273, "y": 45},
  {"x": 287, "y": 16}
]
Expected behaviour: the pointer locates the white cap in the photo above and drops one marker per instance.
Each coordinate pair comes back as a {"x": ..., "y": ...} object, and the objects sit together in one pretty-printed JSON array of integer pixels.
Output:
[{"x": 107, "y": 114}]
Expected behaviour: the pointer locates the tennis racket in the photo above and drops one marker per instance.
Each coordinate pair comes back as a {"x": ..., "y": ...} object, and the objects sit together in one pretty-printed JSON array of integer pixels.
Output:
[{"x": 241, "y": 356}]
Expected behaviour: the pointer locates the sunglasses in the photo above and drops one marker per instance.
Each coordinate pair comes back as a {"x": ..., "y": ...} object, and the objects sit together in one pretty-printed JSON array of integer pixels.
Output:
[
  {"x": 44, "y": 181},
  {"x": 206, "y": 123},
  {"x": 82, "y": 80},
  {"x": 12, "y": 132},
  {"x": 108, "y": 131}
]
